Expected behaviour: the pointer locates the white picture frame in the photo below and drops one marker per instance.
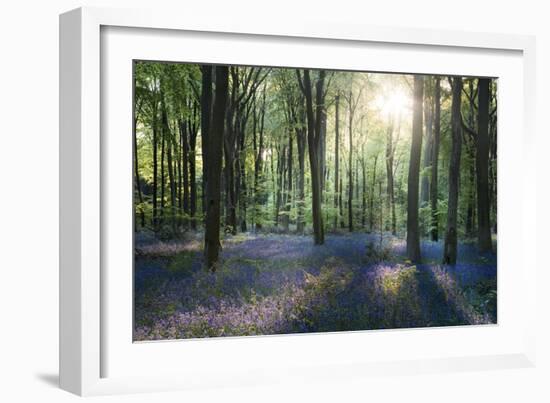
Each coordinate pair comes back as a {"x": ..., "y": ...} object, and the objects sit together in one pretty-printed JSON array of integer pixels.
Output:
[{"x": 91, "y": 343}]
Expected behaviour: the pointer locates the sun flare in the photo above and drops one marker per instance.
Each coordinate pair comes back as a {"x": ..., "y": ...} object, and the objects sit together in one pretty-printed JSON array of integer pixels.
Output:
[{"x": 395, "y": 103}]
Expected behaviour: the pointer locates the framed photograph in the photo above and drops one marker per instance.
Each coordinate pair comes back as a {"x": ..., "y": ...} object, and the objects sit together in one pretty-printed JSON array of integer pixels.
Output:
[{"x": 244, "y": 204}]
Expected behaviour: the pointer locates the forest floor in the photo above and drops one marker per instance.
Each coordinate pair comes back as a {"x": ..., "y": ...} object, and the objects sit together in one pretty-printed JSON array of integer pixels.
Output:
[{"x": 273, "y": 284}]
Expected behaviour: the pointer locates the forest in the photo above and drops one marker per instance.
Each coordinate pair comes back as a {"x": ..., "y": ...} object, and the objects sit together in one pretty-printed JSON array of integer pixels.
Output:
[{"x": 272, "y": 200}]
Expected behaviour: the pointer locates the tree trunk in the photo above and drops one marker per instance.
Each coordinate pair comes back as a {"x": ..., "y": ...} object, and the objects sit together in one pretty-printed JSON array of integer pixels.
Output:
[
  {"x": 336, "y": 160},
  {"x": 350, "y": 167},
  {"x": 289, "y": 181},
  {"x": 206, "y": 111},
  {"x": 155, "y": 171},
  {"x": 137, "y": 178},
  {"x": 258, "y": 164},
  {"x": 243, "y": 192},
  {"x": 451, "y": 235},
  {"x": 413, "y": 233},
  {"x": 427, "y": 157},
  {"x": 214, "y": 152},
  {"x": 162, "y": 177},
  {"x": 470, "y": 195},
  {"x": 301, "y": 143},
  {"x": 363, "y": 191},
  {"x": 171, "y": 182},
  {"x": 192, "y": 168},
  {"x": 313, "y": 137},
  {"x": 371, "y": 204},
  {"x": 435, "y": 159},
  {"x": 389, "y": 175},
  {"x": 322, "y": 147},
  {"x": 229, "y": 170},
  {"x": 184, "y": 135},
  {"x": 482, "y": 167}
]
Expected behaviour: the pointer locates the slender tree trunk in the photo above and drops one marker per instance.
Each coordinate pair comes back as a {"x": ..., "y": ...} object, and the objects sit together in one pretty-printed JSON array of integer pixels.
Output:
[
  {"x": 171, "y": 182},
  {"x": 155, "y": 172},
  {"x": 469, "y": 143},
  {"x": 493, "y": 157},
  {"x": 428, "y": 146},
  {"x": 470, "y": 195},
  {"x": 413, "y": 233},
  {"x": 258, "y": 164},
  {"x": 137, "y": 178},
  {"x": 184, "y": 135},
  {"x": 206, "y": 109},
  {"x": 322, "y": 147},
  {"x": 279, "y": 183},
  {"x": 214, "y": 152},
  {"x": 341, "y": 203},
  {"x": 336, "y": 160},
  {"x": 350, "y": 167},
  {"x": 482, "y": 168},
  {"x": 371, "y": 206},
  {"x": 162, "y": 177},
  {"x": 289, "y": 180},
  {"x": 243, "y": 191},
  {"x": 301, "y": 143},
  {"x": 451, "y": 235},
  {"x": 178, "y": 153},
  {"x": 435, "y": 159},
  {"x": 229, "y": 153},
  {"x": 192, "y": 167},
  {"x": 389, "y": 175},
  {"x": 363, "y": 191}
]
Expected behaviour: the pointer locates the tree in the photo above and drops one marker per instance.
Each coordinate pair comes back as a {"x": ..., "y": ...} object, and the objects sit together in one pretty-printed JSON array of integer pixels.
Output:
[
  {"x": 451, "y": 232},
  {"x": 314, "y": 145},
  {"x": 213, "y": 183},
  {"x": 193, "y": 132},
  {"x": 371, "y": 201},
  {"x": 206, "y": 109},
  {"x": 435, "y": 161},
  {"x": 336, "y": 158},
  {"x": 353, "y": 101},
  {"x": 482, "y": 167},
  {"x": 413, "y": 233},
  {"x": 258, "y": 144},
  {"x": 390, "y": 151},
  {"x": 137, "y": 180},
  {"x": 428, "y": 143}
]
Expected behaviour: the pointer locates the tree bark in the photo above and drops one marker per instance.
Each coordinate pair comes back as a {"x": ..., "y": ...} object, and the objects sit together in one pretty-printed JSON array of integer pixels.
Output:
[
  {"x": 413, "y": 233},
  {"x": 313, "y": 136},
  {"x": 192, "y": 167},
  {"x": 136, "y": 175},
  {"x": 213, "y": 191},
  {"x": 390, "y": 148},
  {"x": 428, "y": 147},
  {"x": 336, "y": 159},
  {"x": 482, "y": 167},
  {"x": 258, "y": 164},
  {"x": 288, "y": 200},
  {"x": 434, "y": 230},
  {"x": 451, "y": 233},
  {"x": 155, "y": 168},
  {"x": 350, "y": 168},
  {"x": 363, "y": 190},
  {"x": 206, "y": 111},
  {"x": 184, "y": 139},
  {"x": 301, "y": 143},
  {"x": 162, "y": 177},
  {"x": 371, "y": 202},
  {"x": 171, "y": 182}
]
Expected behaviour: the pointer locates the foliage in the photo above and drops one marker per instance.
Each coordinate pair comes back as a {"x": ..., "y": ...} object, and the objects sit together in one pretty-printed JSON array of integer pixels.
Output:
[{"x": 272, "y": 284}]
